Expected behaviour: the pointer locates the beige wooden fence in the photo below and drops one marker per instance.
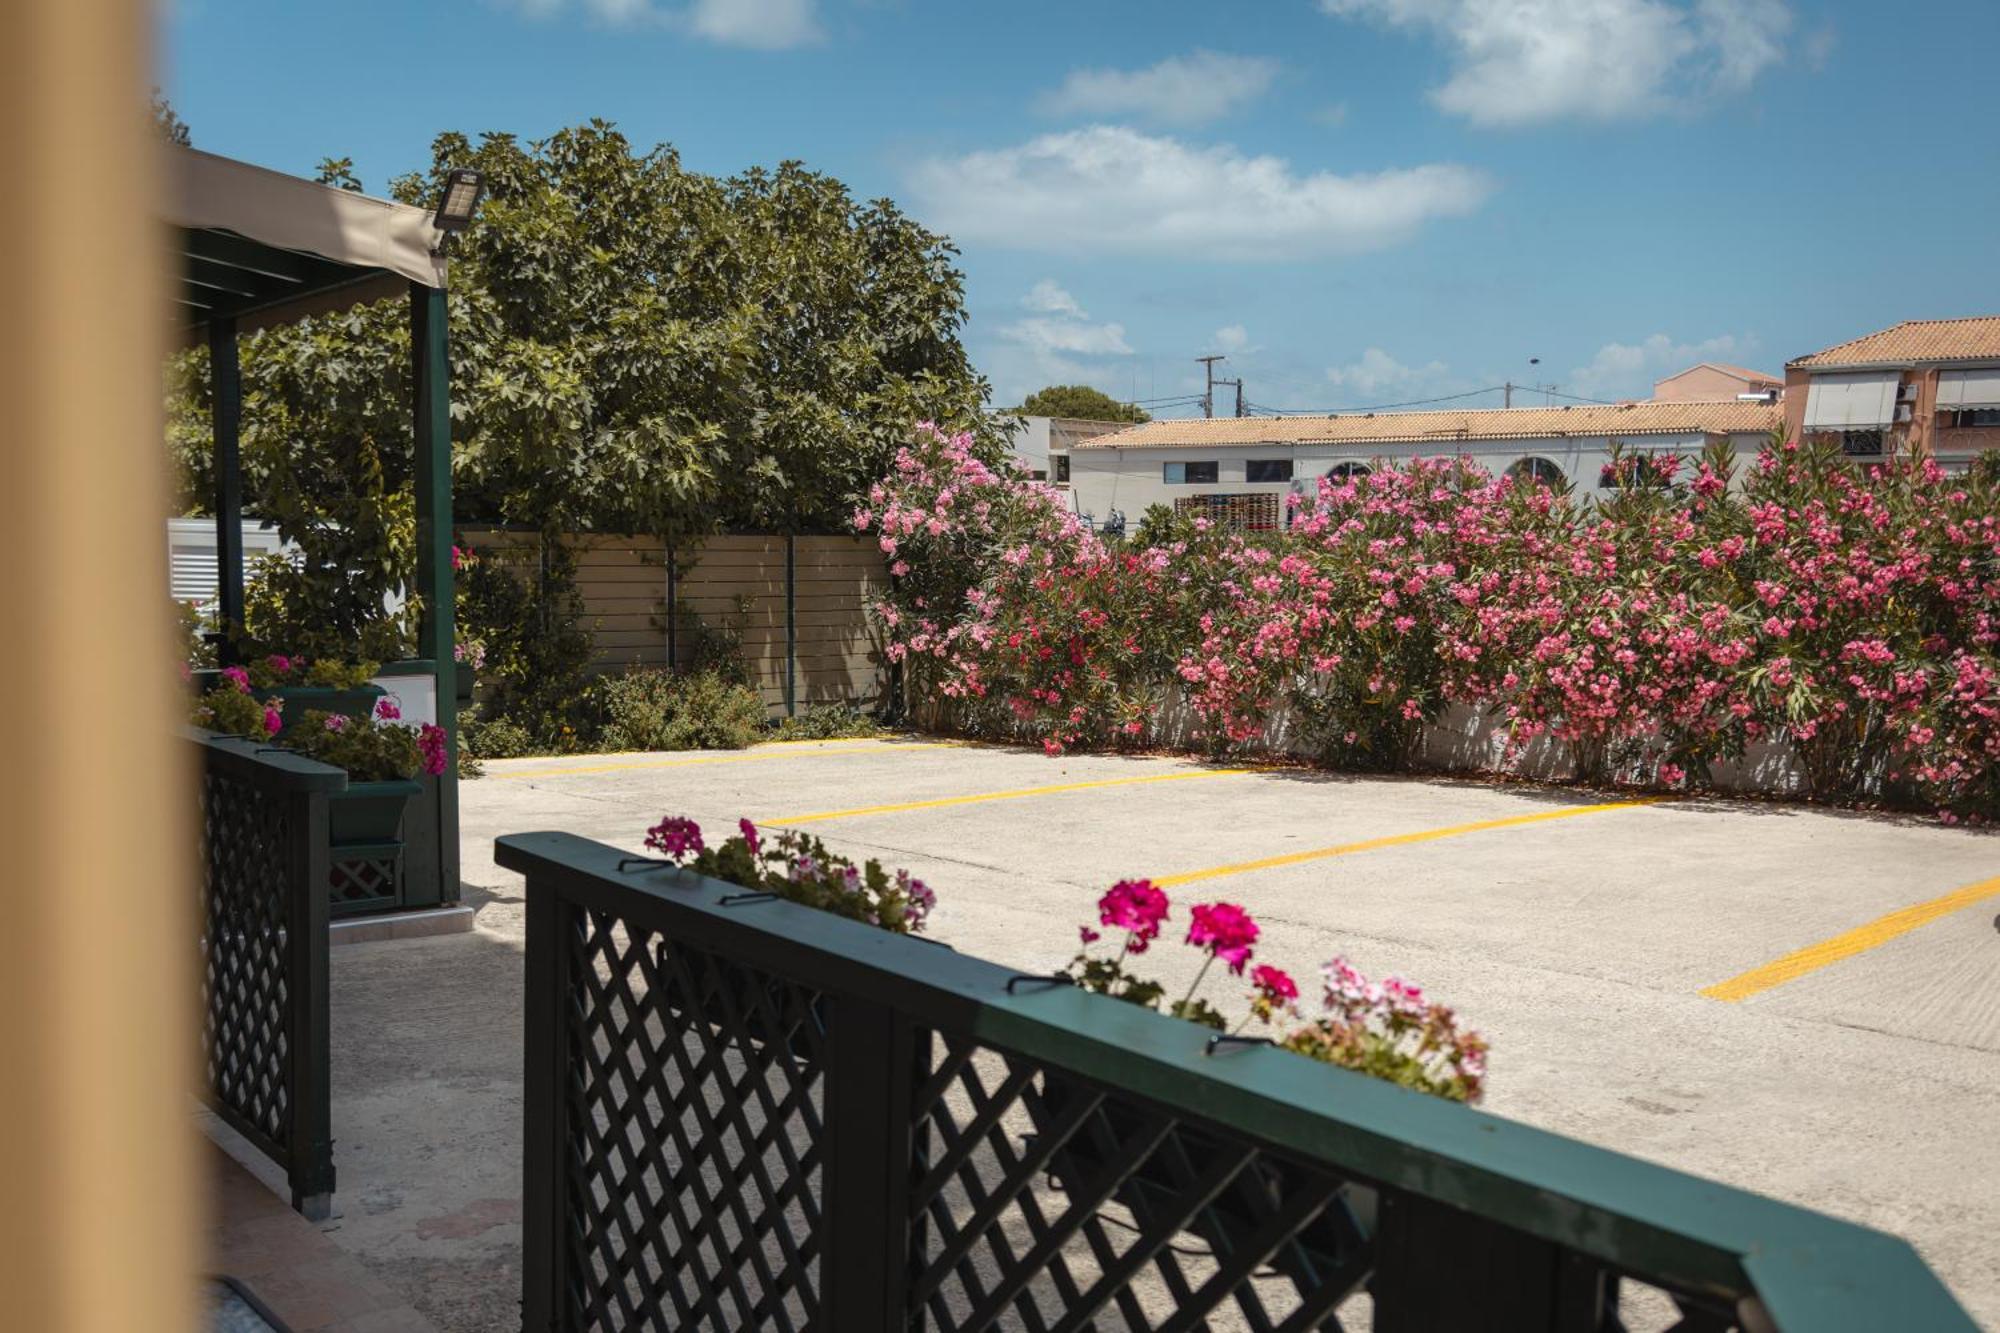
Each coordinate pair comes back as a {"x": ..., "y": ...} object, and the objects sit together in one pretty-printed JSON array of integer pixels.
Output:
[{"x": 733, "y": 584}]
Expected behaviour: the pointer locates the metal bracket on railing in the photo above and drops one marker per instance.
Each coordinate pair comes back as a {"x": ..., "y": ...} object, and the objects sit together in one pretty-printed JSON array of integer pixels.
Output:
[
  {"x": 1039, "y": 979},
  {"x": 744, "y": 899},
  {"x": 1233, "y": 1039}
]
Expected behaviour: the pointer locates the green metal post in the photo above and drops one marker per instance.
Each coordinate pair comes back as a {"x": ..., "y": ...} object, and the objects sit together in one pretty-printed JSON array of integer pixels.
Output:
[
  {"x": 225, "y": 418},
  {"x": 432, "y": 381}
]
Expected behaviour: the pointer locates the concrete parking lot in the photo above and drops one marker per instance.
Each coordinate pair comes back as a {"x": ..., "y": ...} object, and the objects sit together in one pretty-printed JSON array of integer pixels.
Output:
[{"x": 1797, "y": 1001}]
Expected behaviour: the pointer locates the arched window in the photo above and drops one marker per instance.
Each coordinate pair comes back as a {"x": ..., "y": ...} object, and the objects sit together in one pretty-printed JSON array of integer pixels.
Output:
[
  {"x": 1538, "y": 470},
  {"x": 1346, "y": 471}
]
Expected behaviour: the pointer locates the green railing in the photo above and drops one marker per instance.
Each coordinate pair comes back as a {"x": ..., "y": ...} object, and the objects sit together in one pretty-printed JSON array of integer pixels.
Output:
[
  {"x": 744, "y": 1114},
  {"x": 264, "y": 1036}
]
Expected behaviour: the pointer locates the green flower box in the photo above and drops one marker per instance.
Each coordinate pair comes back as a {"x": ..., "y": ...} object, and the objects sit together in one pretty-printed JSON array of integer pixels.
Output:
[
  {"x": 466, "y": 681},
  {"x": 369, "y": 813},
  {"x": 295, "y": 701}
]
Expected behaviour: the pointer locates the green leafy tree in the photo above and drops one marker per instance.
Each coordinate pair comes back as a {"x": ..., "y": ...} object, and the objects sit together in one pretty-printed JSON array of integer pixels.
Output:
[
  {"x": 635, "y": 347},
  {"x": 1080, "y": 401},
  {"x": 339, "y": 173}
]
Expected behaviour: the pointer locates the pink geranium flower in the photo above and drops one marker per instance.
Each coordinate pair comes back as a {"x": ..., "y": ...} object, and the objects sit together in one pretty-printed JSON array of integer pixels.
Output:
[
  {"x": 386, "y": 710},
  {"x": 749, "y": 832},
  {"x": 1137, "y": 907},
  {"x": 1274, "y": 985},
  {"x": 1226, "y": 931},
  {"x": 675, "y": 837}
]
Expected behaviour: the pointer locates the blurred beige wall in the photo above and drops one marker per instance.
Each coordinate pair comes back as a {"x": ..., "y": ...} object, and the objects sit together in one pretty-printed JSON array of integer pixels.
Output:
[{"x": 98, "y": 1221}]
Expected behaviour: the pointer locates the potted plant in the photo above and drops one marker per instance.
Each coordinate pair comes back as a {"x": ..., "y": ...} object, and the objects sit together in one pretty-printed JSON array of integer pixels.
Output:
[
  {"x": 383, "y": 756},
  {"x": 322, "y": 685},
  {"x": 798, "y": 868},
  {"x": 471, "y": 656},
  {"x": 228, "y": 705},
  {"x": 1389, "y": 1029}
]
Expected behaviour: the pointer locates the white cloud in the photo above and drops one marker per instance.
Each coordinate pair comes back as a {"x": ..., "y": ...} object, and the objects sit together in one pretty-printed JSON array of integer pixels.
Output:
[
  {"x": 1058, "y": 343},
  {"x": 1377, "y": 374},
  {"x": 766, "y": 25},
  {"x": 1048, "y": 295},
  {"x": 1063, "y": 326},
  {"x": 1181, "y": 90},
  {"x": 1627, "y": 370},
  {"x": 1518, "y": 62},
  {"x": 1231, "y": 338},
  {"x": 1108, "y": 188}
]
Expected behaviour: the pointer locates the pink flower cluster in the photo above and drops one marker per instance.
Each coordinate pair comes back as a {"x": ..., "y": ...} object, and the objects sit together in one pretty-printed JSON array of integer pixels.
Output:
[
  {"x": 1672, "y": 622},
  {"x": 1390, "y": 1030},
  {"x": 675, "y": 838}
]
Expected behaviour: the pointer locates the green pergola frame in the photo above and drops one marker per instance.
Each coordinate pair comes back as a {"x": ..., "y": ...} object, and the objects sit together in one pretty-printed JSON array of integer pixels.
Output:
[{"x": 236, "y": 278}]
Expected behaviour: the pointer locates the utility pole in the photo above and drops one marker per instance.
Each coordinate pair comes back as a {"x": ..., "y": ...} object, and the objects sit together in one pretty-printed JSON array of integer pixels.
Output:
[
  {"x": 1208, "y": 394},
  {"x": 1508, "y": 389},
  {"x": 1239, "y": 395}
]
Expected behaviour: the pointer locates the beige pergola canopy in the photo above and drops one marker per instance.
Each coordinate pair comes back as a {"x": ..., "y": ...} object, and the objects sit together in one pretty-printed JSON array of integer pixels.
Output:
[{"x": 264, "y": 248}]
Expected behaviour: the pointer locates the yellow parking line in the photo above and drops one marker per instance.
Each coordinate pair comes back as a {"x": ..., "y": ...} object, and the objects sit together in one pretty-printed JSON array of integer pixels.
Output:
[
  {"x": 1399, "y": 840},
  {"x": 1016, "y": 794},
  {"x": 789, "y": 752},
  {"x": 1862, "y": 938}
]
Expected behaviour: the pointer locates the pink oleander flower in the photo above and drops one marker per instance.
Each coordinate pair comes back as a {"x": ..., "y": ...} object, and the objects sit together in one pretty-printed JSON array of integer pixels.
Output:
[
  {"x": 749, "y": 832},
  {"x": 431, "y": 745},
  {"x": 238, "y": 678},
  {"x": 386, "y": 710},
  {"x": 675, "y": 837},
  {"x": 1273, "y": 985},
  {"x": 1137, "y": 907},
  {"x": 1226, "y": 931}
]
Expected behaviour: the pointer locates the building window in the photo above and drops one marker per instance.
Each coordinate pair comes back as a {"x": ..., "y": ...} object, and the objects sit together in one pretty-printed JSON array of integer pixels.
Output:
[
  {"x": 1540, "y": 471},
  {"x": 1239, "y": 513},
  {"x": 1268, "y": 469},
  {"x": 1060, "y": 462},
  {"x": 1861, "y": 443},
  {"x": 1036, "y": 474},
  {"x": 1635, "y": 470},
  {"x": 1976, "y": 416},
  {"x": 1189, "y": 474},
  {"x": 1344, "y": 471}
]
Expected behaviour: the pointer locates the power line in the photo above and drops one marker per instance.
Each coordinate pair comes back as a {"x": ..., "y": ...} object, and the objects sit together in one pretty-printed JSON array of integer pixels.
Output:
[{"x": 1378, "y": 407}]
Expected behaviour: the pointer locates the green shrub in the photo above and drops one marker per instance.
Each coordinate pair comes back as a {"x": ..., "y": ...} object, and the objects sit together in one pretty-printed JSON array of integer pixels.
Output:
[
  {"x": 829, "y": 722},
  {"x": 658, "y": 710},
  {"x": 525, "y": 610},
  {"x": 495, "y": 738}
]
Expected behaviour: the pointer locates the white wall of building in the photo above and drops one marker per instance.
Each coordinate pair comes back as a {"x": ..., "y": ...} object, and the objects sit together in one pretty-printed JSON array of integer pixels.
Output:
[
  {"x": 1030, "y": 444},
  {"x": 1131, "y": 480}
]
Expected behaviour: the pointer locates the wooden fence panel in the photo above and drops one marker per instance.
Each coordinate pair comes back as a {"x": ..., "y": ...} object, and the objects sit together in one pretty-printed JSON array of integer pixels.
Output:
[{"x": 736, "y": 584}]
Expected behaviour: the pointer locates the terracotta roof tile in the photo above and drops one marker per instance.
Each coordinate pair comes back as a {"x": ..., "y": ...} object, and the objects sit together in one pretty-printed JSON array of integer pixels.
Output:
[
  {"x": 1618, "y": 421},
  {"x": 1916, "y": 340}
]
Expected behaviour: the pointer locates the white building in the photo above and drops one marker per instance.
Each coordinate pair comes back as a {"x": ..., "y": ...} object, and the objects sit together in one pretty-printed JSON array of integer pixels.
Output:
[
  {"x": 1242, "y": 467},
  {"x": 1038, "y": 440}
]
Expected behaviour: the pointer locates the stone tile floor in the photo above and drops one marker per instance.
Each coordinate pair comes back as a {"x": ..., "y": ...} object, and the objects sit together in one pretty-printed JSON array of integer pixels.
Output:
[{"x": 310, "y": 1284}]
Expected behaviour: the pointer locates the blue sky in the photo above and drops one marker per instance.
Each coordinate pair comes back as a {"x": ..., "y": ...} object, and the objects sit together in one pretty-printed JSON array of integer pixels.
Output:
[{"x": 1360, "y": 202}]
